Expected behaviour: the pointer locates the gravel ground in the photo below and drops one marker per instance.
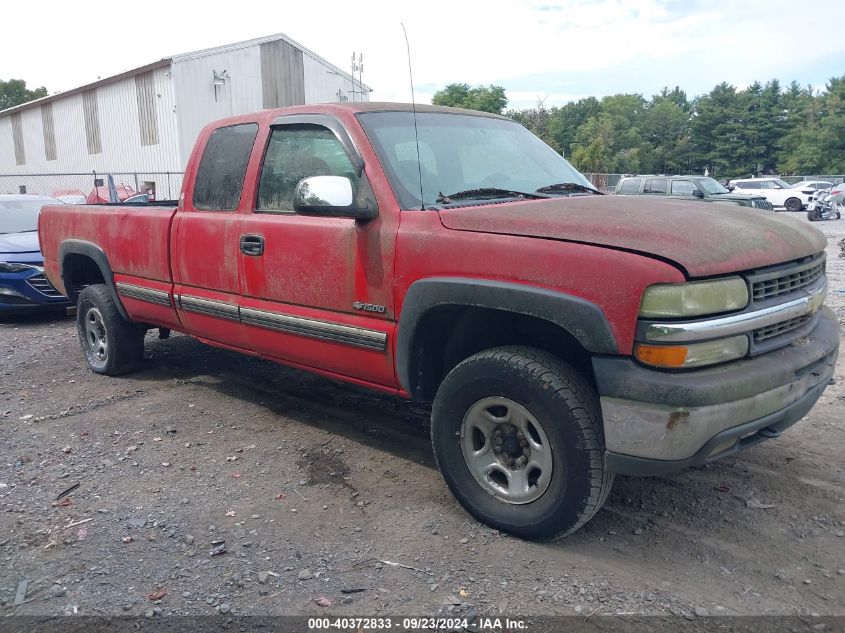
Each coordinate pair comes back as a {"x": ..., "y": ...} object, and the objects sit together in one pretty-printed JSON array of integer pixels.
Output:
[{"x": 212, "y": 482}]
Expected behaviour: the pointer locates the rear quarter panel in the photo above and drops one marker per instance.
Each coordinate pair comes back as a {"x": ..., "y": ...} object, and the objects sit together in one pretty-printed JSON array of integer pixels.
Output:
[{"x": 136, "y": 240}]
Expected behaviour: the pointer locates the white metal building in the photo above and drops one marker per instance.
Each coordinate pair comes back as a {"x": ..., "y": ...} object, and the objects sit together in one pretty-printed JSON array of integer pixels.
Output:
[{"x": 147, "y": 119}]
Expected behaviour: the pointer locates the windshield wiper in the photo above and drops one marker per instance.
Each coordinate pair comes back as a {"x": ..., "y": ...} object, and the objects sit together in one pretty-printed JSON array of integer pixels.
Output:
[
  {"x": 568, "y": 187},
  {"x": 485, "y": 193}
]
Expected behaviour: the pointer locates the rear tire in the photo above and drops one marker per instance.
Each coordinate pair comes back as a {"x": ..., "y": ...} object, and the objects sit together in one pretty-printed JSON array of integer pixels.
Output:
[
  {"x": 111, "y": 344},
  {"x": 793, "y": 204},
  {"x": 548, "y": 477}
]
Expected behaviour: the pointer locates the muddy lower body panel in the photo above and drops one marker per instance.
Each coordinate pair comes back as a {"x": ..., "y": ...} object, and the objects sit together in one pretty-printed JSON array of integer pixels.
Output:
[{"x": 657, "y": 422}]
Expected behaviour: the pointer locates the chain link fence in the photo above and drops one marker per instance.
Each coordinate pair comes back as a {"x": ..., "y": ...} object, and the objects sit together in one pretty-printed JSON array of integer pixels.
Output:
[{"x": 160, "y": 185}]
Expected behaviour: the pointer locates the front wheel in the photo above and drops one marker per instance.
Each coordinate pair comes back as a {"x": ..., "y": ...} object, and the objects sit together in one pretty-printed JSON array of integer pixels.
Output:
[
  {"x": 111, "y": 344},
  {"x": 517, "y": 435},
  {"x": 793, "y": 204}
]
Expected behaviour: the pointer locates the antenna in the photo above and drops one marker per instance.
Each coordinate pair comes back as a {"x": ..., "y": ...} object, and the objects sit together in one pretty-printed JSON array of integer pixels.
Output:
[{"x": 414, "y": 108}]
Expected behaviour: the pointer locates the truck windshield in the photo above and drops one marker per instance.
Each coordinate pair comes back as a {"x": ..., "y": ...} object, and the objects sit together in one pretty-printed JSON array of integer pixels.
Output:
[{"x": 463, "y": 153}]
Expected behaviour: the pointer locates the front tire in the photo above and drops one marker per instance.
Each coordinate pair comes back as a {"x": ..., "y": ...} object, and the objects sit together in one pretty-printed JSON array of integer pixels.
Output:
[
  {"x": 793, "y": 204},
  {"x": 517, "y": 436},
  {"x": 111, "y": 344}
]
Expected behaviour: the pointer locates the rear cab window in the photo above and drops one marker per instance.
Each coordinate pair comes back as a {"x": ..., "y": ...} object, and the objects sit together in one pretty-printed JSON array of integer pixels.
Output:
[
  {"x": 682, "y": 188},
  {"x": 655, "y": 186},
  {"x": 220, "y": 175},
  {"x": 630, "y": 185}
]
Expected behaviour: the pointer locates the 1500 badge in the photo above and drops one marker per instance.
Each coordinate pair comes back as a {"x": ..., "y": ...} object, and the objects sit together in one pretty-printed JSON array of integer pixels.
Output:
[{"x": 368, "y": 307}]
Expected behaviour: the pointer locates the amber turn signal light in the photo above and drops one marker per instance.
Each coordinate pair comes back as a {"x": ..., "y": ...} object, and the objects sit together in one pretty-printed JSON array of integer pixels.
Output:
[{"x": 662, "y": 355}]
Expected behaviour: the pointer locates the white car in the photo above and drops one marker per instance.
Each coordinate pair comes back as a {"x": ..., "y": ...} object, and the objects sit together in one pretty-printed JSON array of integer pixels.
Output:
[
  {"x": 811, "y": 186},
  {"x": 776, "y": 191}
]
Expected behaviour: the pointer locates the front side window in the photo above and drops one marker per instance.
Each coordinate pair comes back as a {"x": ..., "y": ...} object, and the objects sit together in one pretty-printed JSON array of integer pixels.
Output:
[
  {"x": 711, "y": 186},
  {"x": 220, "y": 175},
  {"x": 462, "y": 153},
  {"x": 630, "y": 185},
  {"x": 296, "y": 152},
  {"x": 655, "y": 186},
  {"x": 682, "y": 188},
  {"x": 748, "y": 184}
]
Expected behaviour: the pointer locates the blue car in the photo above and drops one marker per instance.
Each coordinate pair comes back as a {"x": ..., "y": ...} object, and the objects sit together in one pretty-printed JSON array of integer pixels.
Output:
[{"x": 23, "y": 286}]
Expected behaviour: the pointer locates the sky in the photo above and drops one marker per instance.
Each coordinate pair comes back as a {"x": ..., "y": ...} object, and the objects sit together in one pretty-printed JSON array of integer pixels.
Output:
[{"x": 549, "y": 50}]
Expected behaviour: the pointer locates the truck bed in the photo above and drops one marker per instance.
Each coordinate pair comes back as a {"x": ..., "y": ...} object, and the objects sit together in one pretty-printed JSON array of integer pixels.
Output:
[{"x": 134, "y": 238}]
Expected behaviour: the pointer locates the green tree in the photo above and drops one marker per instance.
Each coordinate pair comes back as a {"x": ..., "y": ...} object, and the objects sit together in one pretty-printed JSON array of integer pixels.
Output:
[
  {"x": 484, "y": 98},
  {"x": 539, "y": 121},
  {"x": 14, "y": 92},
  {"x": 565, "y": 121}
]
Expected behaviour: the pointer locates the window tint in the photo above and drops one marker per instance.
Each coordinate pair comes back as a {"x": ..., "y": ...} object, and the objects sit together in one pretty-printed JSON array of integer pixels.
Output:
[
  {"x": 766, "y": 184},
  {"x": 296, "y": 152},
  {"x": 747, "y": 184},
  {"x": 655, "y": 186},
  {"x": 682, "y": 188},
  {"x": 220, "y": 176},
  {"x": 630, "y": 185}
]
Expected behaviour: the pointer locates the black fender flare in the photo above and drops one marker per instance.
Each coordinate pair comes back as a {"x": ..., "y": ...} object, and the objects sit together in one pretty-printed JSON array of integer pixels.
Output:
[
  {"x": 583, "y": 319},
  {"x": 99, "y": 257}
]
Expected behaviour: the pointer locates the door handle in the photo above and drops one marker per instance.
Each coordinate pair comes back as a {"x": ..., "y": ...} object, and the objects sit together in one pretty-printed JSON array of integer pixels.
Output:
[{"x": 252, "y": 245}]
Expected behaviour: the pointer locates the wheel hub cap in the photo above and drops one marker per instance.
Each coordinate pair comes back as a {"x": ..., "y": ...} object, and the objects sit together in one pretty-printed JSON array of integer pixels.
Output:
[
  {"x": 95, "y": 334},
  {"x": 506, "y": 450}
]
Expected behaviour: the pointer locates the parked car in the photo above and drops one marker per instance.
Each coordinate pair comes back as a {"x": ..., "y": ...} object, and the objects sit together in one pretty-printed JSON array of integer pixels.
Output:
[
  {"x": 812, "y": 186},
  {"x": 562, "y": 335},
  {"x": 776, "y": 191},
  {"x": 23, "y": 286},
  {"x": 69, "y": 196},
  {"x": 687, "y": 187}
]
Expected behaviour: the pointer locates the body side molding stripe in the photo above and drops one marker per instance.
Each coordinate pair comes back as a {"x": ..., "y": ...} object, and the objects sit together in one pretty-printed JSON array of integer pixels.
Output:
[
  {"x": 301, "y": 326},
  {"x": 370, "y": 339},
  {"x": 142, "y": 293},
  {"x": 209, "y": 307}
]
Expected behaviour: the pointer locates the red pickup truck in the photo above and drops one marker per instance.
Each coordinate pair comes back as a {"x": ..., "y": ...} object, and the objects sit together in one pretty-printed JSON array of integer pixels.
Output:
[{"x": 562, "y": 335}]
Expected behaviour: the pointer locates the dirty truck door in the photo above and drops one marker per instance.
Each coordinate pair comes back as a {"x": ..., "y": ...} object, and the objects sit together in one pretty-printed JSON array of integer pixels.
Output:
[
  {"x": 316, "y": 292},
  {"x": 206, "y": 248}
]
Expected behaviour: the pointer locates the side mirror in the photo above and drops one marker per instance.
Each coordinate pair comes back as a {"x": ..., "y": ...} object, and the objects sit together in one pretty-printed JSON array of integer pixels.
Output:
[
  {"x": 328, "y": 195},
  {"x": 698, "y": 193},
  {"x": 777, "y": 187}
]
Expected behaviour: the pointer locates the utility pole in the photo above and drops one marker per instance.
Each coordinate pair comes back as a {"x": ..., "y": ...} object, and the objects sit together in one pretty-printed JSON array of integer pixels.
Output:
[{"x": 359, "y": 67}]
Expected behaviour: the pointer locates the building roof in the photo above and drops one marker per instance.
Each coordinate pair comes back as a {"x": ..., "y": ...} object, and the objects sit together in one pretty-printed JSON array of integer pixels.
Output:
[{"x": 182, "y": 57}]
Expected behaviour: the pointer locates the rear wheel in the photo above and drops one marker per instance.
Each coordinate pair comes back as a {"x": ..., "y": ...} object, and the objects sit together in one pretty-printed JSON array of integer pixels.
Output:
[
  {"x": 792, "y": 204},
  {"x": 517, "y": 435},
  {"x": 111, "y": 344}
]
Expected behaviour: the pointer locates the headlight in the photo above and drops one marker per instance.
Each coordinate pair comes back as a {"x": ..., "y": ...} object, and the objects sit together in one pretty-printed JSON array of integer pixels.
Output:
[
  {"x": 694, "y": 298},
  {"x": 8, "y": 267},
  {"x": 692, "y": 354}
]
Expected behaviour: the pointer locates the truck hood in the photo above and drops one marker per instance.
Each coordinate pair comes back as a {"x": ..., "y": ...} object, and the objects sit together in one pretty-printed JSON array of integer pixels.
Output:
[
  {"x": 19, "y": 242},
  {"x": 702, "y": 239}
]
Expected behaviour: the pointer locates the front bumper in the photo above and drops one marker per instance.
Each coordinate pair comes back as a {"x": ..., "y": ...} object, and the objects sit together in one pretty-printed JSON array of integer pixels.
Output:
[{"x": 656, "y": 422}]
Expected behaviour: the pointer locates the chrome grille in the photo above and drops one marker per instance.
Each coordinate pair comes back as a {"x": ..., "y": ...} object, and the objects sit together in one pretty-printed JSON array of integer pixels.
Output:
[
  {"x": 42, "y": 285},
  {"x": 777, "y": 329},
  {"x": 788, "y": 281}
]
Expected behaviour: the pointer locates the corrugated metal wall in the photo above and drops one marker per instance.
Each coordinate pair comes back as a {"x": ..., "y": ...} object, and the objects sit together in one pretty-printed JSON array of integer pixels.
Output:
[
  {"x": 198, "y": 100},
  {"x": 49, "y": 130},
  {"x": 282, "y": 75},
  {"x": 99, "y": 130},
  {"x": 150, "y": 121}
]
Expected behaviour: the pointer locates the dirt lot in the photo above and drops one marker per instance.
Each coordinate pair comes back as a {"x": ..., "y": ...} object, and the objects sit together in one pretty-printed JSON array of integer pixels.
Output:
[{"x": 314, "y": 486}]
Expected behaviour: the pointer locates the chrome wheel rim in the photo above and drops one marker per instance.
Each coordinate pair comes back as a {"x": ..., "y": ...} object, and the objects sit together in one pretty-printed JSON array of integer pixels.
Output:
[
  {"x": 96, "y": 338},
  {"x": 506, "y": 450}
]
